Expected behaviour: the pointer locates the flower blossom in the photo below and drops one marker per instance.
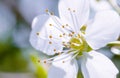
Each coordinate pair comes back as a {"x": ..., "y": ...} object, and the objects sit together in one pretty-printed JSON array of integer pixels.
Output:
[{"x": 72, "y": 42}]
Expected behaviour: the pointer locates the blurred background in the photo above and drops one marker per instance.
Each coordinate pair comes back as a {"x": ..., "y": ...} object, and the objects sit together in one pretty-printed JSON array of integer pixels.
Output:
[{"x": 17, "y": 58}]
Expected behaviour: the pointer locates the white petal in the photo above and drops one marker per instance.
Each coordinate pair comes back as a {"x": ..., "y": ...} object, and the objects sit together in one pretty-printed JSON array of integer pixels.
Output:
[
  {"x": 100, "y": 5},
  {"x": 96, "y": 65},
  {"x": 68, "y": 69},
  {"x": 104, "y": 29},
  {"x": 77, "y": 18},
  {"x": 43, "y": 42},
  {"x": 115, "y": 50}
]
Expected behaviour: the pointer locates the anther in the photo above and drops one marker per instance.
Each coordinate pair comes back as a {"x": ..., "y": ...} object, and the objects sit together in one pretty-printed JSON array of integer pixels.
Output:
[
  {"x": 70, "y": 35},
  {"x": 69, "y": 9},
  {"x": 63, "y": 26},
  {"x": 46, "y": 10},
  {"x": 52, "y": 13},
  {"x": 59, "y": 53},
  {"x": 73, "y": 10},
  {"x": 63, "y": 61},
  {"x": 73, "y": 32},
  {"x": 54, "y": 50},
  {"x": 44, "y": 61},
  {"x": 37, "y": 33},
  {"x": 64, "y": 34},
  {"x": 38, "y": 61},
  {"x": 50, "y": 42},
  {"x": 66, "y": 24},
  {"x": 50, "y": 36},
  {"x": 50, "y": 25},
  {"x": 60, "y": 35},
  {"x": 65, "y": 45},
  {"x": 63, "y": 42}
]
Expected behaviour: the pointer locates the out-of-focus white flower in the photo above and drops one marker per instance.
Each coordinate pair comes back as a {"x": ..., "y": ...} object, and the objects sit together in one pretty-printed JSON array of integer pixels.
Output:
[
  {"x": 30, "y": 8},
  {"x": 70, "y": 40},
  {"x": 100, "y": 5},
  {"x": 7, "y": 21}
]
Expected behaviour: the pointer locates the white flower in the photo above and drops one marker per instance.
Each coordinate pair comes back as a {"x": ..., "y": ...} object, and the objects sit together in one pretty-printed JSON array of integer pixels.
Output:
[
  {"x": 73, "y": 43},
  {"x": 100, "y": 5}
]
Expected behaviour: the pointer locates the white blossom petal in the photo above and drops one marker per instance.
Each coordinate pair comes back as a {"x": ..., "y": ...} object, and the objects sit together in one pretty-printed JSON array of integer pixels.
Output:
[
  {"x": 96, "y": 65},
  {"x": 75, "y": 13},
  {"x": 100, "y": 5},
  {"x": 68, "y": 69},
  {"x": 103, "y": 30},
  {"x": 45, "y": 35}
]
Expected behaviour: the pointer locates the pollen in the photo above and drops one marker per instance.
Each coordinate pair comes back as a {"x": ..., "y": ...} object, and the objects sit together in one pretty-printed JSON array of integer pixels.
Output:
[
  {"x": 59, "y": 53},
  {"x": 37, "y": 33},
  {"x": 66, "y": 24},
  {"x": 50, "y": 42},
  {"x": 69, "y": 9},
  {"x": 46, "y": 10},
  {"x": 60, "y": 35},
  {"x": 45, "y": 61},
  {"x": 64, "y": 34},
  {"x": 52, "y": 13},
  {"x": 73, "y": 32},
  {"x": 74, "y": 11},
  {"x": 50, "y": 36},
  {"x": 63, "y": 42},
  {"x": 70, "y": 35},
  {"x": 50, "y": 25},
  {"x": 54, "y": 50},
  {"x": 63, "y": 26},
  {"x": 65, "y": 45},
  {"x": 38, "y": 61}
]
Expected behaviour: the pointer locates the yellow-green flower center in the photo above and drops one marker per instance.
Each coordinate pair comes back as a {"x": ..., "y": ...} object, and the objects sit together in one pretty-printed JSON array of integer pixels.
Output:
[{"x": 79, "y": 44}]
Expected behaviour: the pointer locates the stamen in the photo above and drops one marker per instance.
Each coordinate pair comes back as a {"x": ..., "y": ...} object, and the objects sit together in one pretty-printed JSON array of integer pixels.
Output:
[
  {"x": 54, "y": 50},
  {"x": 47, "y": 10},
  {"x": 38, "y": 61},
  {"x": 56, "y": 21},
  {"x": 69, "y": 9},
  {"x": 73, "y": 32},
  {"x": 37, "y": 33},
  {"x": 63, "y": 26},
  {"x": 66, "y": 24},
  {"x": 71, "y": 57},
  {"x": 50, "y": 36},
  {"x": 60, "y": 35},
  {"x": 64, "y": 34},
  {"x": 70, "y": 35},
  {"x": 63, "y": 42},
  {"x": 50, "y": 25},
  {"x": 45, "y": 61},
  {"x": 72, "y": 16},
  {"x": 52, "y": 13},
  {"x": 73, "y": 10},
  {"x": 50, "y": 42},
  {"x": 50, "y": 60},
  {"x": 59, "y": 24}
]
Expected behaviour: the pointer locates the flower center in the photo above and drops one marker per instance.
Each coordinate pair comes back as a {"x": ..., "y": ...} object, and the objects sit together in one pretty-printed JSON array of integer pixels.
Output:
[{"x": 79, "y": 44}]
